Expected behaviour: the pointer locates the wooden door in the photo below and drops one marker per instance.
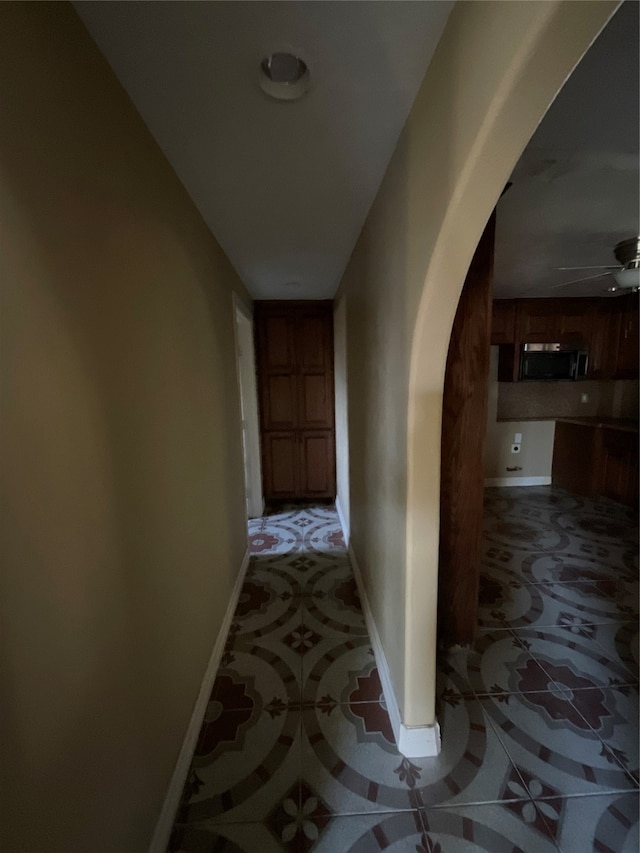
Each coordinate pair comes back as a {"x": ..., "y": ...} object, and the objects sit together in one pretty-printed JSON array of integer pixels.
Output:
[{"x": 295, "y": 389}]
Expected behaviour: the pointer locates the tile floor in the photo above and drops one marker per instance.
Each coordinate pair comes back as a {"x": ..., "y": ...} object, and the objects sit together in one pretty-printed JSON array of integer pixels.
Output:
[{"x": 539, "y": 719}]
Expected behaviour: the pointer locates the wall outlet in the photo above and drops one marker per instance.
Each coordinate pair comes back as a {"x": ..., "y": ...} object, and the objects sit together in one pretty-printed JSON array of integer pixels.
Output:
[
  {"x": 517, "y": 438},
  {"x": 515, "y": 448},
  {"x": 584, "y": 398}
]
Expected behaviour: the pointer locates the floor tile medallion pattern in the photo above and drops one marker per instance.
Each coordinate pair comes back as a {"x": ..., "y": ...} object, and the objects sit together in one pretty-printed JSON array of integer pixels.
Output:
[{"x": 539, "y": 718}]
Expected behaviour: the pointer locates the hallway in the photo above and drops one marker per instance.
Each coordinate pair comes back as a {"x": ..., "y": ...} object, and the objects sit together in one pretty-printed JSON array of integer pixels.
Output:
[{"x": 539, "y": 719}]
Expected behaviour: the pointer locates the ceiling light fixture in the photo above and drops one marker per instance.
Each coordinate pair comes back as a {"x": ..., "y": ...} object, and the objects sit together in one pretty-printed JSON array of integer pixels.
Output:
[
  {"x": 284, "y": 76},
  {"x": 627, "y": 253}
]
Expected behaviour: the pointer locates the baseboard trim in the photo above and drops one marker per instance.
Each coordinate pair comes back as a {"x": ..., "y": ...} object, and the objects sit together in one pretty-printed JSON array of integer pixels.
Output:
[
  {"x": 412, "y": 741},
  {"x": 343, "y": 523},
  {"x": 171, "y": 802},
  {"x": 517, "y": 481}
]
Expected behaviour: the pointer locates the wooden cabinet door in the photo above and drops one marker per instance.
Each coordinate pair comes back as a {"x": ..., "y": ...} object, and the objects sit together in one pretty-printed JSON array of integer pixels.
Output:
[
  {"x": 628, "y": 340},
  {"x": 280, "y": 464},
  {"x": 575, "y": 458},
  {"x": 537, "y": 321},
  {"x": 619, "y": 467},
  {"x": 503, "y": 321},
  {"x": 279, "y": 409},
  {"x": 276, "y": 341},
  {"x": 601, "y": 346},
  {"x": 315, "y": 369},
  {"x": 575, "y": 322},
  {"x": 317, "y": 465}
]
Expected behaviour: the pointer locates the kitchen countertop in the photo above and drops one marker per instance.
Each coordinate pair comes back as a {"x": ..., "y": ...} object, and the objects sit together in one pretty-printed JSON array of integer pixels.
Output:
[{"x": 623, "y": 424}]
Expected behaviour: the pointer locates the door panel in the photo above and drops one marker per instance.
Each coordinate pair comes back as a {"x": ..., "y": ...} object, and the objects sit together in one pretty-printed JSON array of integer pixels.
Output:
[
  {"x": 314, "y": 345},
  {"x": 317, "y": 468},
  {"x": 278, "y": 346},
  {"x": 280, "y": 464},
  {"x": 315, "y": 402},
  {"x": 279, "y": 409},
  {"x": 295, "y": 370}
]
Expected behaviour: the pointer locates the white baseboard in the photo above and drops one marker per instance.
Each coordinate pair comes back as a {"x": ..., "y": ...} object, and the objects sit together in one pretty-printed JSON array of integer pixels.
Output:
[
  {"x": 343, "y": 523},
  {"x": 412, "y": 741},
  {"x": 517, "y": 481},
  {"x": 164, "y": 826}
]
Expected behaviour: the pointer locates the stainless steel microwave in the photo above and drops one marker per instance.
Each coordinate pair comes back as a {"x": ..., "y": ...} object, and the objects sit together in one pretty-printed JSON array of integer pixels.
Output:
[{"x": 552, "y": 363}]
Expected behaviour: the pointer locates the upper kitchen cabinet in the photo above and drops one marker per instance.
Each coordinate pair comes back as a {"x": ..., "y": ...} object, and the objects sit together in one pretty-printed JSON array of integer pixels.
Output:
[
  {"x": 537, "y": 321},
  {"x": 606, "y": 328},
  {"x": 627, "y": 338},
  {"x": 503, "y": 321},
  {"x": 575, "y": 322}
]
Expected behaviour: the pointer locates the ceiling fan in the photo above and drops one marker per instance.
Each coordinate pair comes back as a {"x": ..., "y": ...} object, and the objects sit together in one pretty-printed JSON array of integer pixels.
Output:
[{"x": 625, "y": 274}]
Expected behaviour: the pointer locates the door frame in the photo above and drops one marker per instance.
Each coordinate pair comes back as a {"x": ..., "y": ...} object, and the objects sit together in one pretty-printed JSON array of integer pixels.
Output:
[{"x": 248, "y": 393}]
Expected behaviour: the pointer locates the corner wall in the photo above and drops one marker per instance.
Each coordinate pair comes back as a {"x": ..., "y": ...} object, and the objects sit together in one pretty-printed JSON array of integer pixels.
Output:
[
  {"x": 123, "y": 524},
  {"x": 494, "y": 73}
]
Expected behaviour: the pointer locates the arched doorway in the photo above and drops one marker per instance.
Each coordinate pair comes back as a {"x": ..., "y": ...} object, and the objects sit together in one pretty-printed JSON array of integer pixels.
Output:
[{"x": 488, "y": 117}]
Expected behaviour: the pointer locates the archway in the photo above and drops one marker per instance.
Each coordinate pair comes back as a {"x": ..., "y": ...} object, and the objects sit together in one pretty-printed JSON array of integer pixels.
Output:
[{"x": 498, "y": 68}]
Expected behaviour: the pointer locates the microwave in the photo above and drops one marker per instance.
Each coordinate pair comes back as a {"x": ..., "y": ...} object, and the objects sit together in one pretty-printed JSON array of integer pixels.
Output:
[{"x": 552, "y": 362}]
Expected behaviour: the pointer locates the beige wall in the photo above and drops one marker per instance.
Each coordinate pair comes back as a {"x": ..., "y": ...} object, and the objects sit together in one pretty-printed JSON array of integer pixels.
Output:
[
  {"x": 536, "y": 447},
  {"x": 495, "y": 71},
  {"x": 123, "y": 525}
]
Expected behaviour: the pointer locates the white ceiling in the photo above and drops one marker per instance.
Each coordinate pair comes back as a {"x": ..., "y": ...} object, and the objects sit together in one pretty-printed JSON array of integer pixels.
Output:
[
  {"x": 284, "y": 187},
  {"x": 575, "y": 190}
]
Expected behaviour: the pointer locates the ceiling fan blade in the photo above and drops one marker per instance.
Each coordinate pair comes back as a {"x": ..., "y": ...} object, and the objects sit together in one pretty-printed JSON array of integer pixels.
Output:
[
  {"x": 578, "y": 280},
  {"x": 597, "y": 267}
]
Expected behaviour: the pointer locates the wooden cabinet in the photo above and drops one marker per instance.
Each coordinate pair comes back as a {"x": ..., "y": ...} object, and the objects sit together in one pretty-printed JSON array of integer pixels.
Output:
[
  {"x": 596, "y": 461},
  {"x": 606, "y": 328},
  {"x": 575, "y": 322},
  {"x": 627, "y": 339},
  {"x": 619, "y": 467},
  {"x": 503, "y": 321},
  {"x": 294, "y": 355},
  {"x": 537, "y": 321},
  {"x": 601, "y": 351}
]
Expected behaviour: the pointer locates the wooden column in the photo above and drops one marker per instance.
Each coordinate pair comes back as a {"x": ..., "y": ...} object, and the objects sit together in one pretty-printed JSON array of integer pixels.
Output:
[{"x": 464, "y": 421}]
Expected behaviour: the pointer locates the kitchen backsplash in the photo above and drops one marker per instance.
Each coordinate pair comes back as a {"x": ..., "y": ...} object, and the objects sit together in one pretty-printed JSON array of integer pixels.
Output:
[{"x": 524, "y": 400}]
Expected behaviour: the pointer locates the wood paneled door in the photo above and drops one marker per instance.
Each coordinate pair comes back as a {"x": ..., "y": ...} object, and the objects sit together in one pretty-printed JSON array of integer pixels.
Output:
[{"x": 294, "y": 354}]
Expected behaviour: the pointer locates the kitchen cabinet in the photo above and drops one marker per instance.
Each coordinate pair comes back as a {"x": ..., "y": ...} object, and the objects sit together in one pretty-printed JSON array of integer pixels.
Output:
[
  {"x": 596, "y": 459},
  {"x": 503, "y": 321},
  {"x": 627, "y": 339},
  {"x": 575, "y": 322},
  {"x": 294, "y": 358},
  {"x": 618, "y": 475},
  {"x": 602, "y": 354},
  {"x": 537, "y": 321},
  {"x": 607, "y": 328}
]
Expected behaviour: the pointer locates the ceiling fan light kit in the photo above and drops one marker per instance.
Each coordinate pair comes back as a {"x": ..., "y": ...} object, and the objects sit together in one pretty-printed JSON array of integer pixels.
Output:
[{"x": 627, "y": 277}]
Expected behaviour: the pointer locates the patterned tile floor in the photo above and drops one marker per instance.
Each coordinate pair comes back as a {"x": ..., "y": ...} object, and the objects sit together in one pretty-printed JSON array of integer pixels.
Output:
[{"x": 539, "y": 718}]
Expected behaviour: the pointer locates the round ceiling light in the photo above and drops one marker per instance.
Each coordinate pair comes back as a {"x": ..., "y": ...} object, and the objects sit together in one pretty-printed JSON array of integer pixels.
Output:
[{"x": 284, "y": 76}]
